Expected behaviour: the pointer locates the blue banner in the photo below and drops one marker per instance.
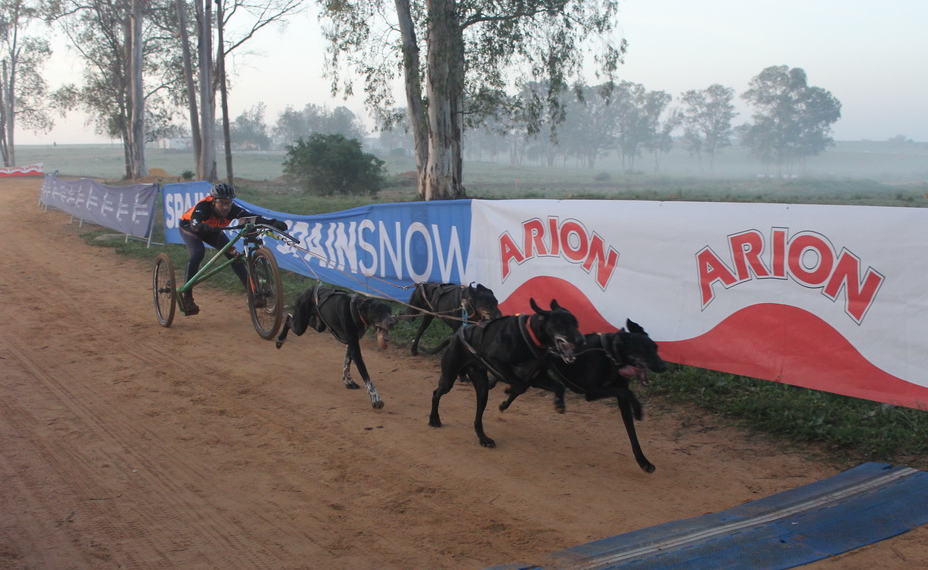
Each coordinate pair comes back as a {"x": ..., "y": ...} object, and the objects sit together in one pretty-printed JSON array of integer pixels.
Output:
[
  {"x": 177, "y": 199},
  {"x": 379, "y": 250}
]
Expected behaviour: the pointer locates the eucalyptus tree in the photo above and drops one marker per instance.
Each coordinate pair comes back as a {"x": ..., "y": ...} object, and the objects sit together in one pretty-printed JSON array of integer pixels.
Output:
[
  {"x": 707, "y": 120},
  {"x": 249, "y": 130},
  {"x": 662, "y": 140},
  {"x": 129, "y": 69},
  {"x": 653, "y": 107},
  {"x": 234, "y": 23},
  {"x": 23, "y": 89},
  {"x": 630, "y": 134},
  {"x": 470, "y": 48},
  {"x": 292, "y": 124},
  {"x": 792, "y": 120},
  {"x": 590, "y": 121}
]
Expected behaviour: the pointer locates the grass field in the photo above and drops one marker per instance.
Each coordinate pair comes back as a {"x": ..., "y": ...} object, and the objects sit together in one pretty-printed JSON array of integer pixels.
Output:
[
  {"x": 735, "y": 173},
  {"x": 847, "y": 430}
]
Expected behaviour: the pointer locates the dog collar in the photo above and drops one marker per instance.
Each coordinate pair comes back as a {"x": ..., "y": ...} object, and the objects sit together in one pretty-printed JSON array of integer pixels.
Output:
[{"x": 531, "y": 333}]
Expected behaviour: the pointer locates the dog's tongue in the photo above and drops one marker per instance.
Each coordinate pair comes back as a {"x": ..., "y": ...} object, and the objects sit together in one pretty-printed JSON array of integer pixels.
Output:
[
  {"x": 631, "y": 371},
  {"x": 382, "y": 338},
  {"x": 565, "y": 349}
]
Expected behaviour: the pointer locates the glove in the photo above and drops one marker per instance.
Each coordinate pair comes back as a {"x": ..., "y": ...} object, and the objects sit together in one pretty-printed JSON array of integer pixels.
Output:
[
  {"x": 202, "y": 229},
  {"x": 279, "y": 224}
]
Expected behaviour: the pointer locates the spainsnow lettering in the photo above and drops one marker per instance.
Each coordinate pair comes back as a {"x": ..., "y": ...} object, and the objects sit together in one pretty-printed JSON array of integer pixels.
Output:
[
  {"x": 808, "y": 258},
  {"x": 384, "y": 249},
  {"x": 569, "y": 239},
  {"x": 176, "y": 204}
]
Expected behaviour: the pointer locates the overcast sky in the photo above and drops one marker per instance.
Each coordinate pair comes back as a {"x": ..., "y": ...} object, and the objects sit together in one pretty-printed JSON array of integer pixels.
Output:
[{"x": 872, "y": 56}]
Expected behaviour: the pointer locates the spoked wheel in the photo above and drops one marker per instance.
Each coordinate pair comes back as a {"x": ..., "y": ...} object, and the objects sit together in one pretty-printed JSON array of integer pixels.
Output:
[
  {"x": 266, "y": 297},
  {"x": 164, "y": 289}
]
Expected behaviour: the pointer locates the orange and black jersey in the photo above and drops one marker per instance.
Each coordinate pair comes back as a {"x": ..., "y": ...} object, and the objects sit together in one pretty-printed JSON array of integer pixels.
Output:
[{"x": 204, "y": 213}]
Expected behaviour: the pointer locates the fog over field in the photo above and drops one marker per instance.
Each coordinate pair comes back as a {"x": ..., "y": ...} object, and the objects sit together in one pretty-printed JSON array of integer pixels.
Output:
[{"x": 903, "y": 163}]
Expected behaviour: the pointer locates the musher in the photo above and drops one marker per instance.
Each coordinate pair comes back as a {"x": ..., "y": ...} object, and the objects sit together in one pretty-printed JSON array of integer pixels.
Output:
[{"x": 203, "y": 224}]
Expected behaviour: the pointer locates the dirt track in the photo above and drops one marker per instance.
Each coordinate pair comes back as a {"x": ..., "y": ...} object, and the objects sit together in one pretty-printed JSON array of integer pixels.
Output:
[{"x": 127, "y": 445}]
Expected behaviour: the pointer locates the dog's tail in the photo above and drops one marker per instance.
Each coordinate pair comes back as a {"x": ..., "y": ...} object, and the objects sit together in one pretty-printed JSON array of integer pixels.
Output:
[
  {"x": 416, "y": 304},
  {"x": 436, "y": 349}
]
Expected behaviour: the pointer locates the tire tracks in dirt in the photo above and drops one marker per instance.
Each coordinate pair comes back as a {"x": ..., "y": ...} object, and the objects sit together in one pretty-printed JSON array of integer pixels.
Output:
[{"x": 128, "y": 445}]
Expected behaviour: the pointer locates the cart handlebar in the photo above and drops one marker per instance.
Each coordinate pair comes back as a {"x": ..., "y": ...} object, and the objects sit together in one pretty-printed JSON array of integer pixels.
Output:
[{"x": 250, "y": 224}]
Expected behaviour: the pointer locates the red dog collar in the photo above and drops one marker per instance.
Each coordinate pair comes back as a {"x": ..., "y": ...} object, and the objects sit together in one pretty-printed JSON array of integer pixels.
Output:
[{"x": 531, "y": 333}]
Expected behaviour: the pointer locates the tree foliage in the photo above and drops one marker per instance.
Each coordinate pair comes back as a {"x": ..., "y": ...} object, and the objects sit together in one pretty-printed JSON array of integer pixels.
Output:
[
  {"x": 292, "y": 124},
  {"x": 249, "y": 131},
  {"x": 707, "y": 120},
  {"x": 472, "y": 51},
  {"x": 333, "y": 164},
  {"x": 23, "y": 89},
  {"x": 792, "y": 120},
  {"x": 102, "y": 33}
]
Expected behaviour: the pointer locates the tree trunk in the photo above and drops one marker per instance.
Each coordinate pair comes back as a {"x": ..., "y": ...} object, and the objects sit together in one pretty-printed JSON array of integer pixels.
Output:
[
  {"x": 223, "y": 92},
  {"x": 206, "y": 168},
  {"x": 6, "y": 118},
  {"x": 188, "y": 80},
  {"x": 445, "y": 64},
  {"x": 10, "y": 82},
  {"x": 418, "y": 121},
  {"x": 136, "y": 94}
]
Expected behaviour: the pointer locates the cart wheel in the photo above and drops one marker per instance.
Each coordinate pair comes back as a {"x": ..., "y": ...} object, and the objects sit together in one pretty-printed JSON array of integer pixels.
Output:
[
  {"x": 164, "y": 290},
  {"x": 266, "y": 297}
]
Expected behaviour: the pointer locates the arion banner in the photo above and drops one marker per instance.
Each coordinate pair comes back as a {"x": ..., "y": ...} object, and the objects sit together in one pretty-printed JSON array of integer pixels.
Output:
[
  {"x": 826, "y": 297},
  {"x": 31, "y": 170}
]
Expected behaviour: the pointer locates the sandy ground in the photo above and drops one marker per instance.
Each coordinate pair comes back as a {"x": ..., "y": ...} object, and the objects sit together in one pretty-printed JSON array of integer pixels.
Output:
[{"x": 124, "y": 444}]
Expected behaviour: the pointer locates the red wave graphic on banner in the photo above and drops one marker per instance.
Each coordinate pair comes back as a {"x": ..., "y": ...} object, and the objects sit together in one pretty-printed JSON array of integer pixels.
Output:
[
  {"x": 793, "y": 346},
  {"x": 31, "y": 170},
  {"x": 544, "y": 289},
  {"x": 768, "y": 341}
]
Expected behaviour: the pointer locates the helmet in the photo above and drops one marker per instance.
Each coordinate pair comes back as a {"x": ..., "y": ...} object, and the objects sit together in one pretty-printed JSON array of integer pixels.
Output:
[{"x": 222, "y": 190}]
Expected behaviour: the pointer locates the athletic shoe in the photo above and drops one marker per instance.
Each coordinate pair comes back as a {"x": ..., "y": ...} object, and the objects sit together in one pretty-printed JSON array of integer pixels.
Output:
[{"x": 190, "y": 308}]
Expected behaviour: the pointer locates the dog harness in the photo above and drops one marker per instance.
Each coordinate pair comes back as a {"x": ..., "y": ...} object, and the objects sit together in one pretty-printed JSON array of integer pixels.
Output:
[
  {"x": 353, "y": 305},
  {"x": 487, "y": 365},
  {"x": 443, "y": 290}
]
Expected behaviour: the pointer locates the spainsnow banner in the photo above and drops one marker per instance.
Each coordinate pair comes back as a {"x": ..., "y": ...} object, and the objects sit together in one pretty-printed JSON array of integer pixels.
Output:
[
  {"x": 379, "y": 250},
  {"x": 177, "y": 199},
  {"x": 126, "y": 209},
  {"x": 826, "y": 297}
]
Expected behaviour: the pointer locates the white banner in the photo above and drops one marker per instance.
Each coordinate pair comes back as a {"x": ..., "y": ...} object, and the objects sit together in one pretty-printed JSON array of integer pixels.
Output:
[
  {"x": 31, "y": 170},
  {"x": 126, "y": 209},
  {"x": 827, "y": 297}
]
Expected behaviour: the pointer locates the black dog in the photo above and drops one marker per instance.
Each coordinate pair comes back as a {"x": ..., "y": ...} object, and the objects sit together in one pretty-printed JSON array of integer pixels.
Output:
[
  {"x": 515, "y": 349},
  {"x": 602, "y": 370},
  {"x": 454, "y": 304},
  {"x": 347, "y": 316}
]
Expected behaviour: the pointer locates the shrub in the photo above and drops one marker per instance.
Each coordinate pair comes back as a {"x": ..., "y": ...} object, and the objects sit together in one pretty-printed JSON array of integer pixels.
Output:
[{"x": 332, "y": 164}]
